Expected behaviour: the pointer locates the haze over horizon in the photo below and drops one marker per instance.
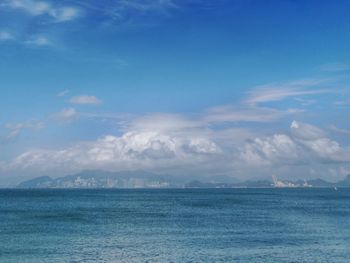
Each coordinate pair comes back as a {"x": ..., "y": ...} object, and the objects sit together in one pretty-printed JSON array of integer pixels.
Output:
[{"x": 239, "y": 88}]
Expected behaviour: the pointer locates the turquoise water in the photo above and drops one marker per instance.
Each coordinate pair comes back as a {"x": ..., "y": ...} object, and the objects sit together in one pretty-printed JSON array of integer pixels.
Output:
[{"x": 193, "y": 225}]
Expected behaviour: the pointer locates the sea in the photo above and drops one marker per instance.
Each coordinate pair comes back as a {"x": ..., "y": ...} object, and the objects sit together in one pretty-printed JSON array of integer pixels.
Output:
[{"x": 175, "y": 225}]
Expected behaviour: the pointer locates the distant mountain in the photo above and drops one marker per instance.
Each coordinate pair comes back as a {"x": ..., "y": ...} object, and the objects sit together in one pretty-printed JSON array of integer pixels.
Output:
[
  {"x": 102, "y": 179},
  {"x": 320, "y": 183},
  {"x": 39, "y": 182},
  {"x": 141, "y": 179},
  {"x": 345, "y": 182},
  {"x": 128, "y": 179}
]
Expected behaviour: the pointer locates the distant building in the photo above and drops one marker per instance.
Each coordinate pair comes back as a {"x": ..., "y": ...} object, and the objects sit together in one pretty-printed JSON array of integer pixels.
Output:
[{"x": 281, "y": 184}]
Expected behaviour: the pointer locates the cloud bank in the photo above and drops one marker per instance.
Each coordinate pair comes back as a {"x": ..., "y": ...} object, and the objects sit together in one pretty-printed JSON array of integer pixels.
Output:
[
  {"x": 182, "y": 150},
  {"x": 239, "y": 140}
]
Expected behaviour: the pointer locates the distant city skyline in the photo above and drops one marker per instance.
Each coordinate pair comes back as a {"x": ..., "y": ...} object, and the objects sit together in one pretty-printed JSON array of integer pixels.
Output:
[{"x": 245, "y": 89}]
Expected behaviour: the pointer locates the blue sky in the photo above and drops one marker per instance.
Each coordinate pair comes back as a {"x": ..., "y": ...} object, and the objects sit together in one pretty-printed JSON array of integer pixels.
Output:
[{"x": 243, "y": 88}]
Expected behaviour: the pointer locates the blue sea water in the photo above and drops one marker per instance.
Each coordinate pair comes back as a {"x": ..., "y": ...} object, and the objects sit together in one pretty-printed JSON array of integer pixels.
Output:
[{"x": 184, "y": 225}]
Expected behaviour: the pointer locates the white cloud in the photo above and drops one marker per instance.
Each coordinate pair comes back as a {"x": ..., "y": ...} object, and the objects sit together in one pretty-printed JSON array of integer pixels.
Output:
[
  {"x": 334, "y": 67},
  {"x": 305, "y": 102},
  {"x": 38, "y": 41},
  {"x": 37, "y": 8},
  {"x": 180, "y": 151},
  {"x": 317, "y": 141},
  {"x": 145, "y": 5},
  {"x": 250, "y": 110},
  {"x": 17, "y": 128},
  {"x": 128, "y": 12},
  {"x": 198, "y": 142},
  {"x": 63, "y": 93},
  {"x": 64, "y": 14},
  {"x": 125, "y": 8},
  {"x": 242, "y": 114},
  {"x": 132, "y": 150},
  {"x": 342, "y": 103},
  {"x": 277, "y": 149},
  {"x": 6, "y": 36},
  {"x": 270, "y": 93},
  {"x": 307, "y": 144},
  {"x": 163, "y": 122},
  {"x": 306, "y": 131},
  {"x": 339, "y": 130},
  {"x": 85, "y": 99},
  {"x": 326, "y": 148},
  {"x": 67, "y": 115},
  {"x": 33, "y": 41},
  {"x": 295, "y": 111}
]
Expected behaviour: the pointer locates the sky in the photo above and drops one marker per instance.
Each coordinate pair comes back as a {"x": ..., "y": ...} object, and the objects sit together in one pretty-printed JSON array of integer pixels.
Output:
[{"x": 243, "y": 88}]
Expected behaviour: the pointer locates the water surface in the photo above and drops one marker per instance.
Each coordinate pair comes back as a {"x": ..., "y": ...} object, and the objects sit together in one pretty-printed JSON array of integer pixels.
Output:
[{"x": 189, "y": 225}]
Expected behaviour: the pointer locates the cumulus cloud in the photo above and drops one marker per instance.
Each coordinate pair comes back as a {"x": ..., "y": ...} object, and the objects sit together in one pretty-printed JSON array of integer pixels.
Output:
[
  {"x": 206, "y": 142},
  {"x": 305, "y": 144},
  {"x": 317, "y": 141},
  {"x": 132, "y": 150},
  {"x": 164, "y": 149},
  {"x": 37, "y": 8},
  {"x": 306, "y": 131},
  {"x": 276, "y": 149},
  {"x": 85, "y": 99}
]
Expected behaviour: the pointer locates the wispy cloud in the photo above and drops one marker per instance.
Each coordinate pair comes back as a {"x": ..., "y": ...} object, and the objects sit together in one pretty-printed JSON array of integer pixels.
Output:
[
  {"x": 146, "y": 5},
  {"x": 6, "y": 36},
  {"x": 39, "y": 41},
  {"x": 85, "y": 99},
  {"x": 17, "y": 128},
  {"x": 305, "y": 102},
  {"x": 230, "y": 113},
  {"x": 31, "y": 41},
  {"x": 124, "y": 6},
  {"x": 334, "y": 67},
  {"x": 339, "y": 130},
  {"x": 251, "y": 110},
  {"x": 128, "y": 11},
  {"x": 342, "y": 102},
  {"x": 45, "y": 12},
  {"x": 273, "y": 92},
  {"x": 67, "y": 115},
  {"x": 38, "y": 8},
  {"x": 63, "y": 93}
]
